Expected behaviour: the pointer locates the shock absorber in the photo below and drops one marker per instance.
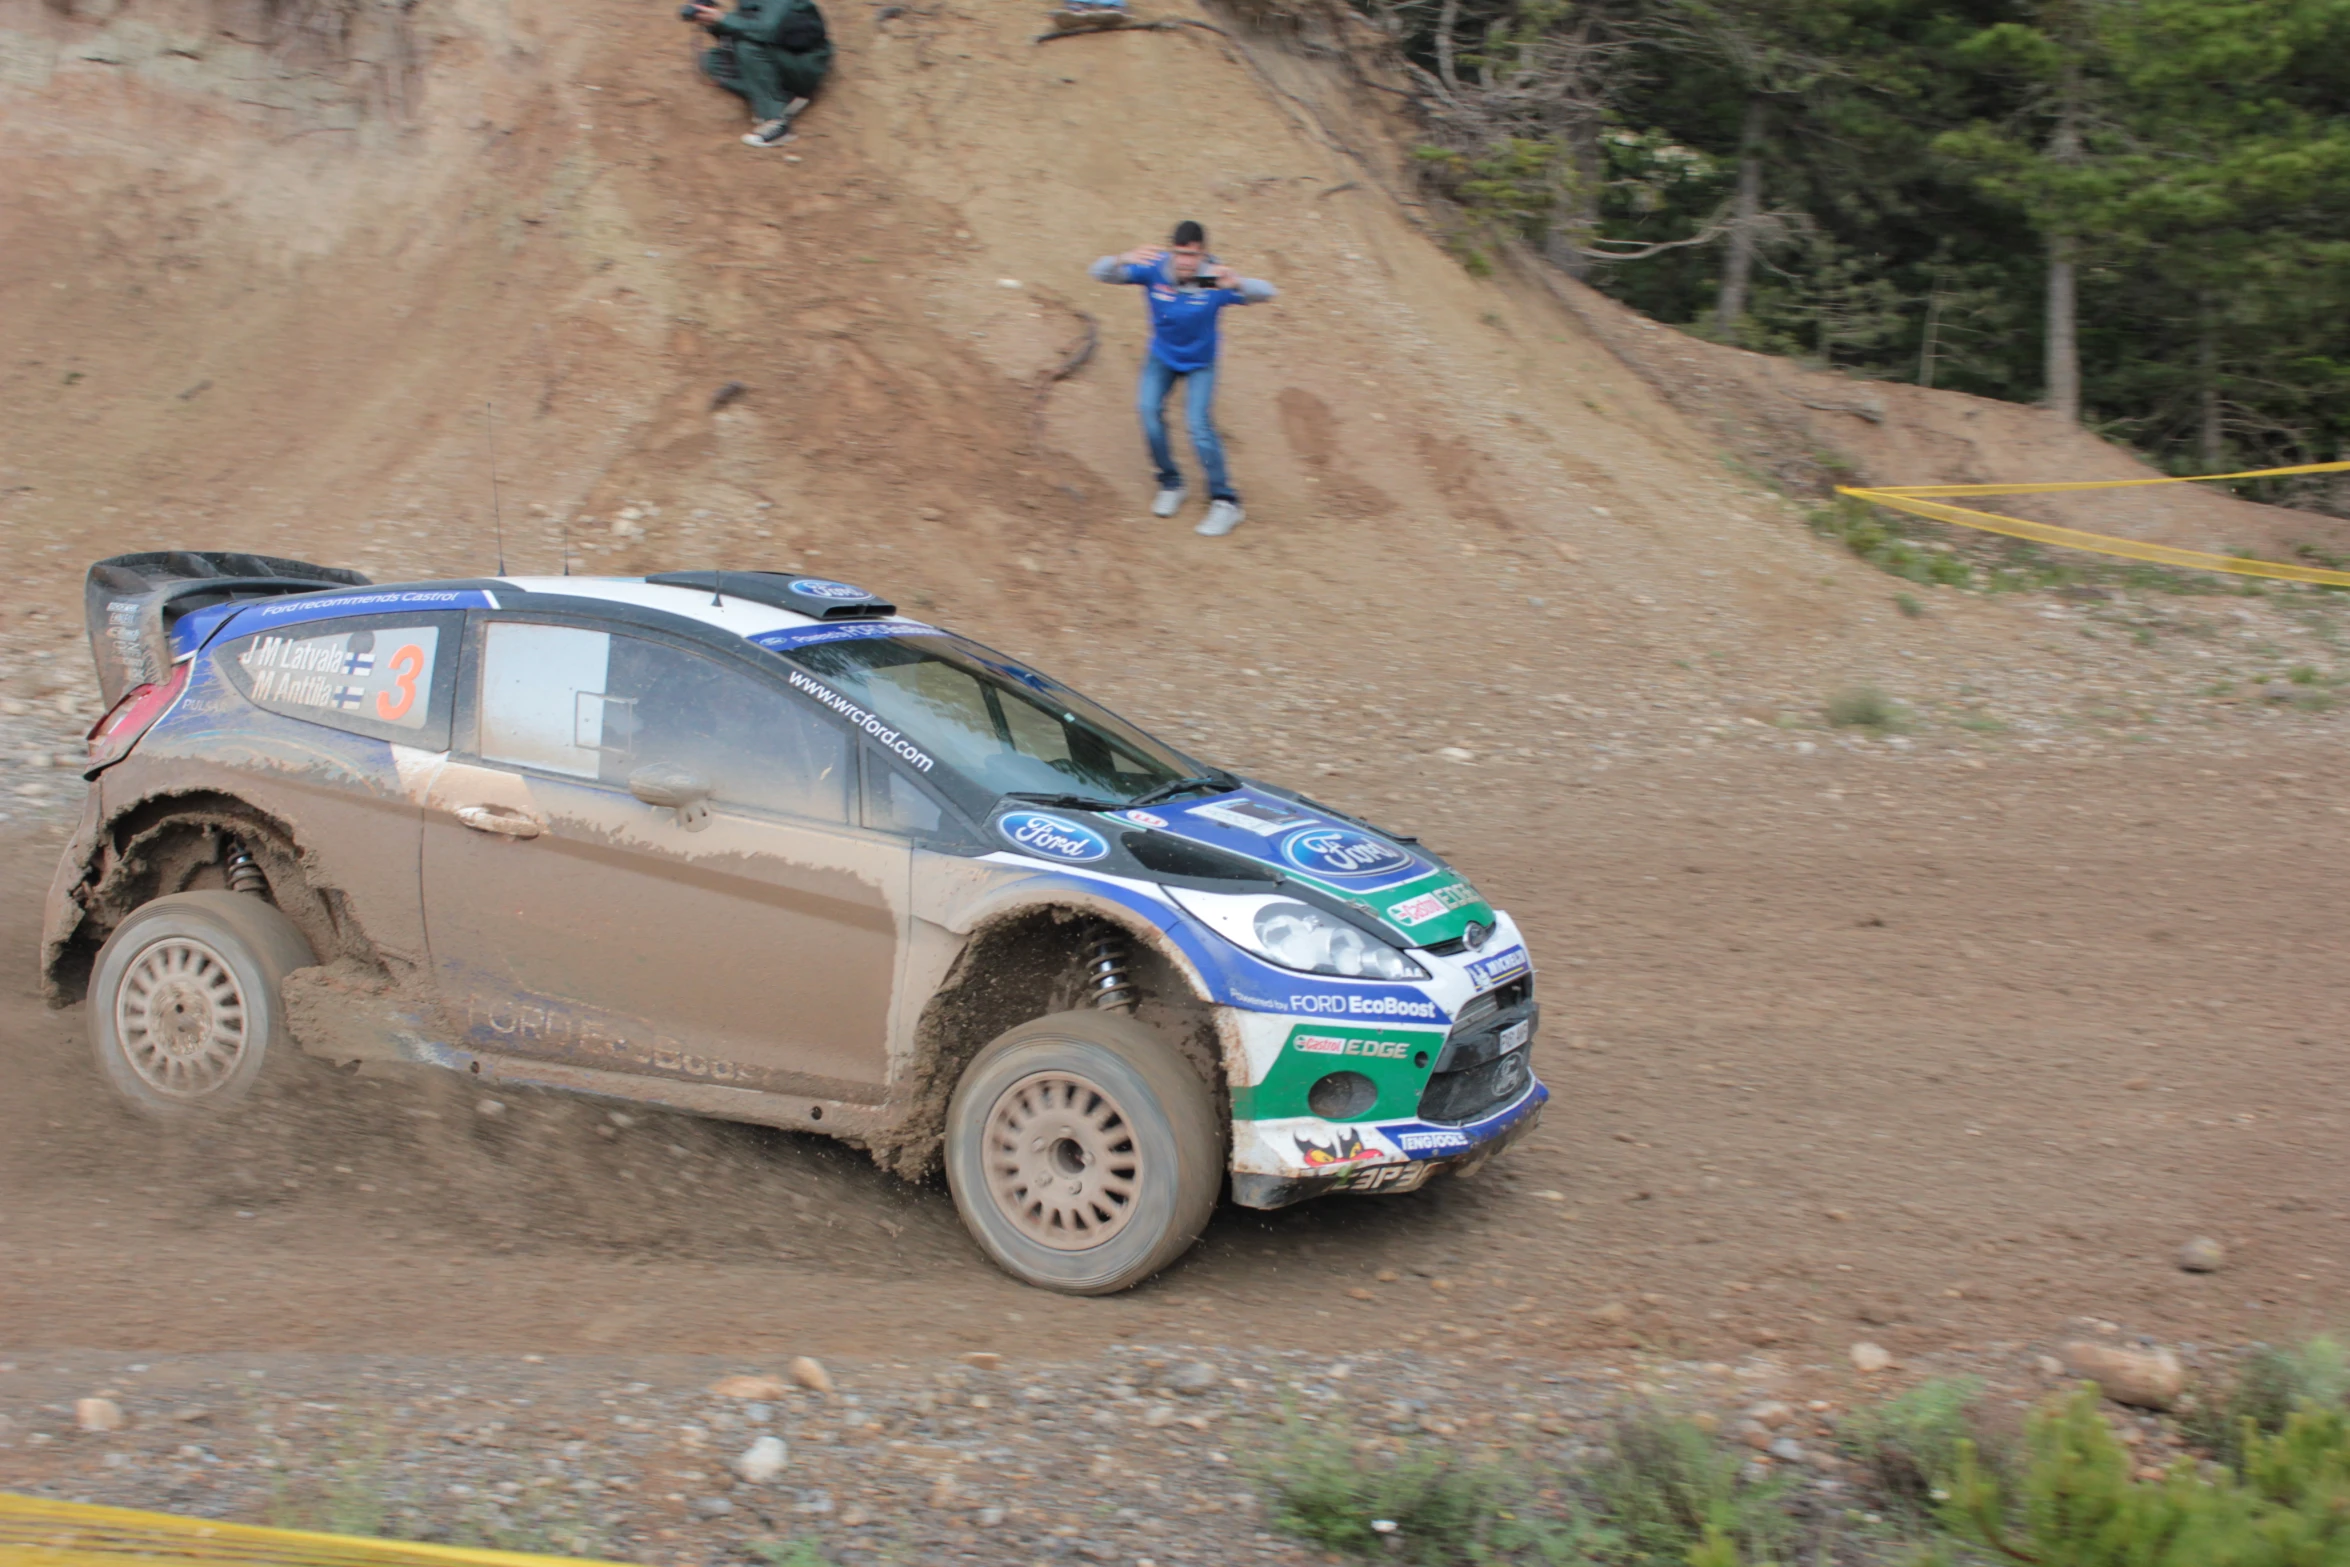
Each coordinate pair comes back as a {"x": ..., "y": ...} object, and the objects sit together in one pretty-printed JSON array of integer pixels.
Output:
[
  {"x": 1105, "y": 976},
  {"x": 243, "y": 874}
]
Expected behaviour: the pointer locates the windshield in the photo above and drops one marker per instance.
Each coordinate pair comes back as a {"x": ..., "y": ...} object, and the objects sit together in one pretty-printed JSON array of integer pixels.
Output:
[{"x": 995, "y": 723}]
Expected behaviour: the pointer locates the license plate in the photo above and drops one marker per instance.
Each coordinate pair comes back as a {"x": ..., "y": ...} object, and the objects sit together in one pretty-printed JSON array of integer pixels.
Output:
[{"x": 1517, "y": 1034}]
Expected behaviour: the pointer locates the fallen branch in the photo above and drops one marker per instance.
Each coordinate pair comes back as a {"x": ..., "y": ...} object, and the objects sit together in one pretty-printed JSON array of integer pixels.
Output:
[
  {"x": 1073, "y": 361},
  {"x": 1129, "y": 25},
  {"x": 1643, "y": 252},
  {"x": 1873, "y": 410},
  {"x": 1082, "y": 354}
]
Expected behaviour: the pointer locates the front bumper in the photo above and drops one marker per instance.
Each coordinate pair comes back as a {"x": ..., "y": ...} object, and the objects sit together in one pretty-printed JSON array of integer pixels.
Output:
[{"x": 1375, "y": 1159}]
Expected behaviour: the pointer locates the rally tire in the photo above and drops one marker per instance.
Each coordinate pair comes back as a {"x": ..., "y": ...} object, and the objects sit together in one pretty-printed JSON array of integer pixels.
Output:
[
  {"x": 1102, "y": 1111},
  {"x": 185, "y": 1008}
]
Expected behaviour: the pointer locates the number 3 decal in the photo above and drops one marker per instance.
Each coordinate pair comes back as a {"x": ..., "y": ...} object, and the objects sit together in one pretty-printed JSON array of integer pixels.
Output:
[{"x": 404, "y": 667}]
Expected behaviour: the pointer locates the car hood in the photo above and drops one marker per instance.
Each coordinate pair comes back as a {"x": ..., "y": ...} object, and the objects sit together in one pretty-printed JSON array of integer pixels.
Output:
[{"x": 1398, "y": 883}]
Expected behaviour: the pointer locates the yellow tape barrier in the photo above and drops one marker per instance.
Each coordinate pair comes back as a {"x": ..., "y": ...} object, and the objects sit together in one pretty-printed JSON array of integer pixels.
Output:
[
  {"x": 1913, "y": 498},
  {"x": 39, "y": 1533}
]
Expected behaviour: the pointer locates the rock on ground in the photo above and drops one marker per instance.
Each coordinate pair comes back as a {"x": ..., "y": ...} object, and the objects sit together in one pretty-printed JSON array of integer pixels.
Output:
[{"x": 2147, "y": 1378}]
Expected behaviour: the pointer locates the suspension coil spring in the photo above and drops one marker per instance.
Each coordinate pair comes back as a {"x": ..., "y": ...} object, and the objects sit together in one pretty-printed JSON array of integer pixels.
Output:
[
  {"x": 1109, "y": 990},
  {"x": 243, "y": 874}
]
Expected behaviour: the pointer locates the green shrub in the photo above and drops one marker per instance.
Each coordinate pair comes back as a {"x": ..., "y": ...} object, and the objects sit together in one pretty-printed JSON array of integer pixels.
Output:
[
  {"x": 1667, "y": 1492},
  {"x": 1863, "y": 707},
  {"x": 348, "y": 1495},
  {"x": 2079, "y": 1505},
  {"x": 2269, "y": 1384},
  {"x": 1440, "y": 1508},
  {"x": 1907, "y": 1447}
]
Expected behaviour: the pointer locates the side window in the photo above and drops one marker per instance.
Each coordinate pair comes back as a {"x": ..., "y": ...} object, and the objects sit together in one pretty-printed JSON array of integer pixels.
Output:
[
  {"x": 542, "y": 696},
  {"x": 895, "y": 803},
  {"x": 598, "y": 705},
  {"x": 385, "y": 677}
]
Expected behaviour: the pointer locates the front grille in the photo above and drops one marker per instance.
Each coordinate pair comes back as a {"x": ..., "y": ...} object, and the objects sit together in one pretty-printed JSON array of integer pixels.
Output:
[
  {"x": 1455, "y": 1097},
  {"x": 1499, "y": 999},
  {"x": 1487, "y": 1061}
]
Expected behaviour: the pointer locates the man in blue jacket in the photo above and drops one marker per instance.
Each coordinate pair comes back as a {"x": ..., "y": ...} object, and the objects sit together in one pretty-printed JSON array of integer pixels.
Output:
[{"x": 1185, "y": 288}]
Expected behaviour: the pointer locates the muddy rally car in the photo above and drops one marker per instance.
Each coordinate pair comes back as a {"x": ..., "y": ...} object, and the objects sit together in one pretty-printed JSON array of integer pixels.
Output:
[{"x": 755, "y": 846}]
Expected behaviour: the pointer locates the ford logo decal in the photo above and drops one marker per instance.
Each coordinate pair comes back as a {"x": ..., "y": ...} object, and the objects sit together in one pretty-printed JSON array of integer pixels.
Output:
[
  {"x": 1054, "y": 837},
  {"x": 1336, "y": 851},
  {"x": 818, "y": 588}
]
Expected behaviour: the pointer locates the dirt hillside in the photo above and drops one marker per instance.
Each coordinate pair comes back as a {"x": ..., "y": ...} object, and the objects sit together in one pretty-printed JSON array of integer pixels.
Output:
[{"x": 268, "y": 268}]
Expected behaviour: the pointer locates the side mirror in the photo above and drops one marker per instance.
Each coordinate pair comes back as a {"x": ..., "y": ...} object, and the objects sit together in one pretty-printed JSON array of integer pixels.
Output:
[{"x": 680, "y": 788}]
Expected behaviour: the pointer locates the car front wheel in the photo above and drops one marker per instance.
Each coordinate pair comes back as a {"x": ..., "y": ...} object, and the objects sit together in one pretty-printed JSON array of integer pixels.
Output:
[
  {"x": 184, "y": 1003},
  {"x": 1085, "y": 1155}
]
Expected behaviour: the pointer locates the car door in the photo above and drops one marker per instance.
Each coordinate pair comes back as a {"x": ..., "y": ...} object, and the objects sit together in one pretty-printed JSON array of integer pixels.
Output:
[{"x": 752, "y": 939}]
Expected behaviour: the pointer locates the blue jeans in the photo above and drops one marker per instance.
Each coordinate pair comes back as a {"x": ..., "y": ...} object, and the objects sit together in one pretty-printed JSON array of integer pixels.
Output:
[{"x": 1199, "y": 399}]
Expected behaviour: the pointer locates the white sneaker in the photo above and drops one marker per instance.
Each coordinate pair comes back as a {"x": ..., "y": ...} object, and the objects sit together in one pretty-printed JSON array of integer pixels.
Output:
[
  {"x": 1222, "y": 518},
  {"x": 774, "y": 133},
  {"x": 1169, "y": 502}
]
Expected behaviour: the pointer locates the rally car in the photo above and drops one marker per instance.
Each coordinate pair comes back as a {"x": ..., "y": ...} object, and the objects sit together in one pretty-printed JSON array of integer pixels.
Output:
[{"x": 754, "y": 845}]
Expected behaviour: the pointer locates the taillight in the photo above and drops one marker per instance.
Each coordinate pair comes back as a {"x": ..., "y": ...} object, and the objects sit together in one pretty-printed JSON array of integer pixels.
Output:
[{"x": 112, "y": 737}]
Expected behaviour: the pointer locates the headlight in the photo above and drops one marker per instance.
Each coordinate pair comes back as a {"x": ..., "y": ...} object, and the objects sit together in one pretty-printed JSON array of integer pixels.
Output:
[{"x": 1298, "y": 936}]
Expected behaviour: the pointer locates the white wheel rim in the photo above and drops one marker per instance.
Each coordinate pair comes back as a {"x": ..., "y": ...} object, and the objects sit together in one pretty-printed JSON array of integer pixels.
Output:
[
  {"x": 1061, "y": 1161},
  {"x": 179, "y": 1016}
]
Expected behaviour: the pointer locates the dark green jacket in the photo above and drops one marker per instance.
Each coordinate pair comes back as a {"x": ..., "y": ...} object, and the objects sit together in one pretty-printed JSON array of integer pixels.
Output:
[{"x": 773, "y": 24}]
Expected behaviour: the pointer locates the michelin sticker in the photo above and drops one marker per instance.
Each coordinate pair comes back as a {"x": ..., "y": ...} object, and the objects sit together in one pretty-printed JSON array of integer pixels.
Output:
[
  {"x": 1053, "y": 837},
  {"x": 1488, "y": 972},
  {"x": 1342, "y": 853}
]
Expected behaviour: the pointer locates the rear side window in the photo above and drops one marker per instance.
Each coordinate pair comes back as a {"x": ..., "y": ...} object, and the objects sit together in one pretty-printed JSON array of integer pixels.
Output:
[
  {"x": 599, "y": 705},
  {"x": 388, "y": 677}
]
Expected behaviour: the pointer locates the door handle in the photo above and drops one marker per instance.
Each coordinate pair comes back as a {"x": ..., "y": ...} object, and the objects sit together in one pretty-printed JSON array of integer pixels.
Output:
[{"x": 506, "y": 824}]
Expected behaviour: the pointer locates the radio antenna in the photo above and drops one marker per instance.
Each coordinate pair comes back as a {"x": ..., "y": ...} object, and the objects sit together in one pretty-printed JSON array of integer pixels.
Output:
[{"x": 489, "y": 412}]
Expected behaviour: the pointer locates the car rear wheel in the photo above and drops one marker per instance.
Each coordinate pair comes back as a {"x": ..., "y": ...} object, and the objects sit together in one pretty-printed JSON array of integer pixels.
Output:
[
  {"x": 1085, "y": 1155},
  {"x": 184, "y": 1004}
]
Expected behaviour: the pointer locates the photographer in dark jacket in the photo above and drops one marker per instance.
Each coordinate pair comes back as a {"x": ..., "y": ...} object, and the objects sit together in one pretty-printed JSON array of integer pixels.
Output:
[{"x": 772, "y": 52}]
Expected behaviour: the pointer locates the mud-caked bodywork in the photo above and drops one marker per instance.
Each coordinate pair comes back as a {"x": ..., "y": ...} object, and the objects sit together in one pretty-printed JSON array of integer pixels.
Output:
[{"x": 758, "y": 847}]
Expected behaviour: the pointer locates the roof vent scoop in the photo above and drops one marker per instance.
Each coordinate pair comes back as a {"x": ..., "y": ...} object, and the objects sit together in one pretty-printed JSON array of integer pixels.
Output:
[{"x": 816, "y": 597}]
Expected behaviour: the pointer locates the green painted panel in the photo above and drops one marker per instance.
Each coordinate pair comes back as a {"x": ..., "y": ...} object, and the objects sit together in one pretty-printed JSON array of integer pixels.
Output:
[
  {"x": 1396, "y": 1060},
  {"x": 1436, "y": 907}
]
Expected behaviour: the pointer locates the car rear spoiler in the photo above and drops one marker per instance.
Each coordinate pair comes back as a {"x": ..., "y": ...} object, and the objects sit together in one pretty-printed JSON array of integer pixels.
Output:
[{"x": 130, "y": 602}]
